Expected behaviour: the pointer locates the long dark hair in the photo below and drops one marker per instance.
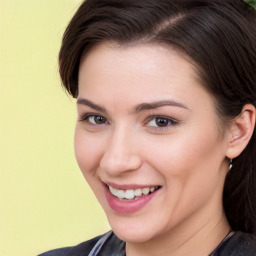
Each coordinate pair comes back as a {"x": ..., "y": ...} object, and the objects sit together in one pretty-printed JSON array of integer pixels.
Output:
[{"x": 220, "y": 39}]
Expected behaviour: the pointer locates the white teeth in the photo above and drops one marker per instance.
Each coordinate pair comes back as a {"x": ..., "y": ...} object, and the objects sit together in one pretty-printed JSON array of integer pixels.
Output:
[
  {"x": 112, "y": 190},
  {"x": 120, "y": 194},
  {"x": 152, "y": 189},
  {"x": 138, "y": 192},
  {"x": 145, "y": 191},
  {"x": 130, "y": 194}
]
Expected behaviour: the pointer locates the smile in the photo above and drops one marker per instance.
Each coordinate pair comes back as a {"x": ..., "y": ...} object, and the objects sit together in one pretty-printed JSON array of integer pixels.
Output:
[
  {"x": 132, "y": 194},
  {"x": 128, "y": 199}
]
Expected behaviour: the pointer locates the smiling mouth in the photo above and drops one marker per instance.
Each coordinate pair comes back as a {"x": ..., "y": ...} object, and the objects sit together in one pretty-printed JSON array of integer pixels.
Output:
[{"x": 132, "y": 194}]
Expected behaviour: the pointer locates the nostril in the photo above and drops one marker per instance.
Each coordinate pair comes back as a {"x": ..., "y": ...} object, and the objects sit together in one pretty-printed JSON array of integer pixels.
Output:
[{"x": 118, "y": 164}]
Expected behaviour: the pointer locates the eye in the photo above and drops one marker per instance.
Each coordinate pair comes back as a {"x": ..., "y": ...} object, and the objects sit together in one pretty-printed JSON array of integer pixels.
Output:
[
  {"x": 161, "y": 122},
  {"x": 97, "y": 119},
  {"x": 94, "y": 119}
]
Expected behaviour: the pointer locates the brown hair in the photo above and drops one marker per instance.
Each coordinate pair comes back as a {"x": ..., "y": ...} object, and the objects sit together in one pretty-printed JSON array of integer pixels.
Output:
[{"x": 219, "y": 36}]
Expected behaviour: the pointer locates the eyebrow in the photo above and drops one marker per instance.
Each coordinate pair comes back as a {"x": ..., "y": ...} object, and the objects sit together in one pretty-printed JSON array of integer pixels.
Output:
[
  {"x": 158, "y": 104},
  {"x": 138, "y": 108},
  {"x": 90, "y": 104}
]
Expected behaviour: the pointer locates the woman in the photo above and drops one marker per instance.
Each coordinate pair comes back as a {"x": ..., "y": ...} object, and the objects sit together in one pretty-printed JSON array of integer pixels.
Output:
[{"x": 166, "y": 114}]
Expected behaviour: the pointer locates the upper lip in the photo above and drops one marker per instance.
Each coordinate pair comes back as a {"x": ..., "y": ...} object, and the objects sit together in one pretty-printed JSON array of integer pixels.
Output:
[{"x": 129, "y": 186}]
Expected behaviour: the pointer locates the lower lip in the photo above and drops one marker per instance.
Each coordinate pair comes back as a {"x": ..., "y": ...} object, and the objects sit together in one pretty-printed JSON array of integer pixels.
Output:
[{"x": 127, "y": 206}]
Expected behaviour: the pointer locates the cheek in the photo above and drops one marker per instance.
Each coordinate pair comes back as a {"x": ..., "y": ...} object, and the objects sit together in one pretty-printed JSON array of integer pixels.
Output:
[
  {"x": 190, "y": 161},
  {"x": 87, "y": 151},
  {"x": 190, "y": 165},
  {"x": 190, "y": 149}
]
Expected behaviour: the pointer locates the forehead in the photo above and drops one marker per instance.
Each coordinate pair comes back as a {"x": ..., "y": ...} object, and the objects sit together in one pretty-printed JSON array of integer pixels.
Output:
[
  {"x": 142, "y": 72},
  {"x": 139, "y": 64}
]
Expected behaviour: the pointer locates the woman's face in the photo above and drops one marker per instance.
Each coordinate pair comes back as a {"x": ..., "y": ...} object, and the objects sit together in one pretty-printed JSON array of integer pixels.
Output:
[{"x": 148, "y": 142}]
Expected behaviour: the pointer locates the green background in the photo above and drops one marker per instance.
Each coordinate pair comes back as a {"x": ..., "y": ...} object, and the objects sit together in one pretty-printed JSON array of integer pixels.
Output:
[{"x": 45, "y": 202}]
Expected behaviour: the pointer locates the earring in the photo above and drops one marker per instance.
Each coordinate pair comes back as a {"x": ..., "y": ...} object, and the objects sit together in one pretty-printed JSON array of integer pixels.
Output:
[{"x": 230, "y": 164}]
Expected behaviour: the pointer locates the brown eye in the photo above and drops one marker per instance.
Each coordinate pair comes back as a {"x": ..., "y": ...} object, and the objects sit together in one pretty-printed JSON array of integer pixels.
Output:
[
  {"x": 96, "y": 119},
  {"x": 161, "y": 122}
]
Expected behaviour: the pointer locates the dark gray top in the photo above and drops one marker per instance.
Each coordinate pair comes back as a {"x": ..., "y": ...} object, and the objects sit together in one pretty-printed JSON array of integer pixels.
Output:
[{"x": 239, "y": 244}]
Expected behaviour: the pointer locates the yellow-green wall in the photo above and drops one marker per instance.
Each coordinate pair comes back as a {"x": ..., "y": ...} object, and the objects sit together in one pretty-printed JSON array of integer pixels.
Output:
[{"x": 44, "y": 201}]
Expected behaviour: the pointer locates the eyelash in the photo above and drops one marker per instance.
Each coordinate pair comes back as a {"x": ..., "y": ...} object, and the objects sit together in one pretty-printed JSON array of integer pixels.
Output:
[
  {"x": 170, "y": 121},
  {"x": 89, "y": 115}
]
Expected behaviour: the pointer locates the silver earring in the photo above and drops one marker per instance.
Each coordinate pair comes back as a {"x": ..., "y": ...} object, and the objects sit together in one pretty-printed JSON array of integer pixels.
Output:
[{"x": 230, "y": 165}]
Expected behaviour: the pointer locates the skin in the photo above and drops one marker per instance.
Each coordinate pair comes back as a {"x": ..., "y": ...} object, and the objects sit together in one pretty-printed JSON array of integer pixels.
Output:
[{"x": 186, "y": 157}]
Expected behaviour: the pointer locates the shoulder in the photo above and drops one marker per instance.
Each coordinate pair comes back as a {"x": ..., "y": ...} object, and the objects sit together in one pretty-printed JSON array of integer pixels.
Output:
[
  {"x": 240, "y": 244},
  {"x": 78, "y": 250}
]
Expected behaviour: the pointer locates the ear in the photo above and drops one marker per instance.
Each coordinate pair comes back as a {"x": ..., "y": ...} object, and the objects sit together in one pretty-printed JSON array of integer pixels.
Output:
[{"x": 240, "y": 131}]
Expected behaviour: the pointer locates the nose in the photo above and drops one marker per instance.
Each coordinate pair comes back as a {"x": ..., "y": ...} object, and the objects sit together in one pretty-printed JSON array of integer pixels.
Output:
[{"x": 121, "y": 153}]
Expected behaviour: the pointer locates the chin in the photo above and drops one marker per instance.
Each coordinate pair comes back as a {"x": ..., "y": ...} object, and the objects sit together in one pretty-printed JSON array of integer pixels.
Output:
[
  {"x": 132, "y": 232},
  {"x": 132, "y": 236}
]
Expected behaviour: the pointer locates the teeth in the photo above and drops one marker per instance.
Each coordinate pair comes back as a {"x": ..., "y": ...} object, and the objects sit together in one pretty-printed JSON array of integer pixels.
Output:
[
  {"x": 112, "y": 190},
  {"x": 120, "y": 194},
  {"x": 145, "y": 191},
  {"x": 138, "y": 192},
  {"x": 130, "y": 194},
  {"x": 152, "y": 189}
]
